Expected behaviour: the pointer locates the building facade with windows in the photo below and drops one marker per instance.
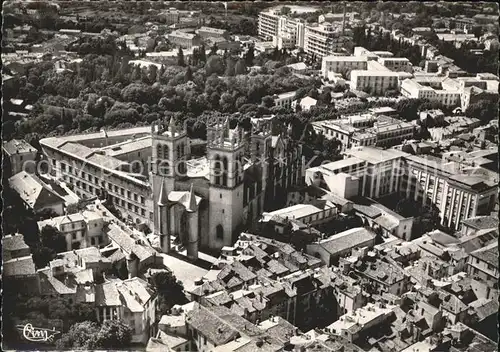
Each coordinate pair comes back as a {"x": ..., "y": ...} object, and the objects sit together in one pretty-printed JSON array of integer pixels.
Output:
[
  {"x": 81, "y": 230},
  {"x": 375, "y": 82},
  {"x": 455, "y": 194}
]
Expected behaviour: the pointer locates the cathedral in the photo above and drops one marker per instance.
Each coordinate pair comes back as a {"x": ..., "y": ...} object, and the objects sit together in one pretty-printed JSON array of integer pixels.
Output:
[{"x": 205, "y": 203}]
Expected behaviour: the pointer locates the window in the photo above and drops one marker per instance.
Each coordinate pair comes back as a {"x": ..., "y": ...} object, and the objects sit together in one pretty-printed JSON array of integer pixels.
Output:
[{"x": 219, "y": 232}]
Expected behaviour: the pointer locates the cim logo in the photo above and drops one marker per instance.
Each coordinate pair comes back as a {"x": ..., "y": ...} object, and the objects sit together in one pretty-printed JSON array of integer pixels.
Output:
[{"x": 35, "y": 334}]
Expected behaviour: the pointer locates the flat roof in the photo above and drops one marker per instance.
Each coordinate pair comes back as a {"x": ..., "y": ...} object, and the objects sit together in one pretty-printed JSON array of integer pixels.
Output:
[
  {"x": 295, "y": 211},
  {"x": 373, "y": 73},
  {"x": 344, "y": 58},
  {"x": 374, "y": 155},
  {"x": 15, "y": 146},
  {"x": 335, "y": 165},
  {"x": 128, "y": 146}
]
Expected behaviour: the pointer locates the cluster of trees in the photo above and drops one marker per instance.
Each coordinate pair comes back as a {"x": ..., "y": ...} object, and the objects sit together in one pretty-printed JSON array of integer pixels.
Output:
[
  {"x": 88, "y": 335},
  {"x": 20, "y": 308},
  {"x": 466, "y": 60},
  {"x": 382, "y": 41},
  {"x": 106, "y": 90},
  {"x": 426, "y": 218},
  {"x": 170, "y": 291},
  {"x": 485, "y": 109},
  {"x": 106, "y": 46}
]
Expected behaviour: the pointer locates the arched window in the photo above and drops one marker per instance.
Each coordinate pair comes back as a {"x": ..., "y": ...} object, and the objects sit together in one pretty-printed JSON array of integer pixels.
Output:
[
  {"x": 183, "y": 149},
  {"x": 159, "y": 151},
  {"x": 217, "y": 169},
  {"x": 179, "y": 151},
  {"x": 224, "y": 171},
  {"x": 219, "y": 232},
  {"x": 165, "y": 152}
]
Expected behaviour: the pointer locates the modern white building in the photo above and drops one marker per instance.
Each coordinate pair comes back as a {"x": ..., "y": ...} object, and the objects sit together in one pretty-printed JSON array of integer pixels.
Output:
[
  {"x": 412, "y": 88},
  {"x": 305, "y": 103},
  {"x": 284, "y": 100},
  {"x": 324, "y": 39},
  {"x": 396, "y": 63},
  {"x": 286, "y": 32},
  {"x": 376, "y": 82},
  {"x": 338, "y": 64}
]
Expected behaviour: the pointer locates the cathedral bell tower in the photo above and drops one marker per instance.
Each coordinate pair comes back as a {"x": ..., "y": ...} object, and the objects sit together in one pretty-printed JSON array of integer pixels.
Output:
[
  {"x": 168, "y": 163},
  {"x": 261, "y": 142},
  {"x": 225, "y": 152}
]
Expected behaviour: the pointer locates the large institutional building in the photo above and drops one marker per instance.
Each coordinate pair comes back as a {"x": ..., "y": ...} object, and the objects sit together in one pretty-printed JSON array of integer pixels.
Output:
[
  {"x": 153, "y": 180},
  {"x": 456, "y": 192},
  {"x": 318, "y": 39}
]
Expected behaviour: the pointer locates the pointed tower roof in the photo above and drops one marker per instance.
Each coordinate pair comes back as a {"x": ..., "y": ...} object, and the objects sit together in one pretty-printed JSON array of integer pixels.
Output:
[
  {"x": 171, "y": 126},
  {"x": 163, "y": 197},
  {"x": 191, "y": 201}
]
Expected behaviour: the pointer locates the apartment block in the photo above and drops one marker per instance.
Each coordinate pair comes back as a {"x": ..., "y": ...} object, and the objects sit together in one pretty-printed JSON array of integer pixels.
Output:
[
  {"x": 338, "y": 64},
  {"x": 324, "y": 39},
  {"x": 411, "y": 88},
  {"x": 483, "y": 264},
  {"x": 366, "y": 130},
  {"x": 396, "y": 63},
  {"x": 375, "y": 82},
  {"x": 458, "y": 196}
]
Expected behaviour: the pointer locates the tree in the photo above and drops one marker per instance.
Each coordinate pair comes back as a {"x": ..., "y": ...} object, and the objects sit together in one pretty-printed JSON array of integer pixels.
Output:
[
  {"x": 226, "y": 102},
  {"x": 52, "y": 238},
  {"x": 240, "y": 68},
  {"x": 81, "y": 335},
  {"x": 214, "y": 65},
  {"x": 170, "y": 290},
  {"x": 268, "y": 101},
  {"x": 180, "y": 58},
  {"x": 484, "y": 110},
  {"x": 250, "y": 56},
  {"x": 42, "y": 255},
  {"x": 313, "y": 93},
  {"x": 114, "y": 334},
  {"x": 203, "y": 53},
  {"x": 230, "y": 67},
  {"x": 285, "y": 10},
  {"x": 189, "y": 74},
  {"x": 213, "y": 50},
  {"x": 325, "y": 97}
]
